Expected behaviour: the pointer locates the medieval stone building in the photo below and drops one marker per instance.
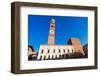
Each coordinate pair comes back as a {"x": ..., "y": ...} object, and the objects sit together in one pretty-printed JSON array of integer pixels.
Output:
[{"x": 31, "y": 53}]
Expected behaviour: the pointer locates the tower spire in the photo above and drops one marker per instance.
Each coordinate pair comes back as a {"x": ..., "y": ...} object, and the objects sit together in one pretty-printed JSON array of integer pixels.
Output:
[{"x": 51, "y": 36}]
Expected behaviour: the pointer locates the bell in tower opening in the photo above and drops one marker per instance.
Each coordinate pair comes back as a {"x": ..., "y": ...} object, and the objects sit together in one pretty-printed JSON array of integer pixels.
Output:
[{"x": 51, "y": 37}]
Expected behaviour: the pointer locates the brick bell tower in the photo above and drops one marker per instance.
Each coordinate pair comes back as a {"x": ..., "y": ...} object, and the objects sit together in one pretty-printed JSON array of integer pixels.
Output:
[{"x": 51, "y": 36}]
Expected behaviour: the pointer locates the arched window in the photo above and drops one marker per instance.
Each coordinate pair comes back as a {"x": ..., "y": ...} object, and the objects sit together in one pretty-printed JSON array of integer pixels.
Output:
[
  {"x": 40, "y": 57},
  {"x": 68, "y": 50},
  {"x": 48, "y": 50},
  {"x": 54, "y": 51},
  {"x": 59, "y": 56},
  {"x": 42, "y": 51},
  {"x": 52, "y": 57},
  {"x": 49, "y": 57},
  {"x": 52, "y": 26},
  {"x": 72, "y": 50},
  {"x": 59, "y": 50},
  {"x": 56, "y": 56},
  {"x": 44, "y": 57},
  {"x": 63, "y": 56},
  {"x": 64, "y": 50}
]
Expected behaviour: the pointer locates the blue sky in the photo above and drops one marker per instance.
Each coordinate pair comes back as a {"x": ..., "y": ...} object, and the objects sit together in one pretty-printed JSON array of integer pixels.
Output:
[{"x": 66, "y": 27}]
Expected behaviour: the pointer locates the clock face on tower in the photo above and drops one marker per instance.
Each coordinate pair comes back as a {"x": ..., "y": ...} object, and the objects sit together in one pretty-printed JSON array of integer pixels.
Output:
[{"x": 52, "y": 31}]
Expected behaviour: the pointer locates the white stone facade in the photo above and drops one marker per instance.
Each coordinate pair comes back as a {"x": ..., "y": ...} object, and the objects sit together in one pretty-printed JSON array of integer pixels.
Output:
[{"x": 47, "y": 52}]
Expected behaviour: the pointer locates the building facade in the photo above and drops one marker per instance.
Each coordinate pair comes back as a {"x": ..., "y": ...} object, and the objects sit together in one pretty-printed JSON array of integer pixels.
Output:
[
  {"x": 55, "y": 51},
  {"x": 76, "y": 44}
]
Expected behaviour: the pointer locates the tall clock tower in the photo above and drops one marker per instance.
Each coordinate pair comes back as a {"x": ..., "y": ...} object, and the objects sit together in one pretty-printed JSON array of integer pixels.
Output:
[{"x": 51, "y": 37}]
